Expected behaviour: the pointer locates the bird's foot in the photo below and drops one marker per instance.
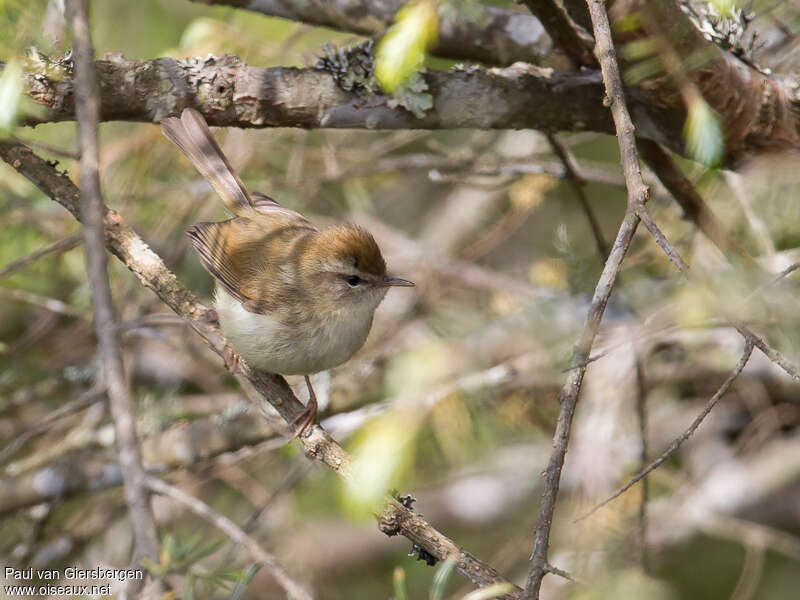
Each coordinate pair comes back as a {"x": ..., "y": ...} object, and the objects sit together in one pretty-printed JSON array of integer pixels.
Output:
[
  {"x": 305, "y": 421},
  {"x": 232, "y": 359}
]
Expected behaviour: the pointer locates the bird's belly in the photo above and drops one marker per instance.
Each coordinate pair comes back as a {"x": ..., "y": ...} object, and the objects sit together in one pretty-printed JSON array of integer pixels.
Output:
[{"x": 270, "y": 345}]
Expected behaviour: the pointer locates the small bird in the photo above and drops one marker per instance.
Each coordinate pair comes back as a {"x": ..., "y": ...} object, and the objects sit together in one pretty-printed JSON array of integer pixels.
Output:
[{"x": 291, "y": 298}]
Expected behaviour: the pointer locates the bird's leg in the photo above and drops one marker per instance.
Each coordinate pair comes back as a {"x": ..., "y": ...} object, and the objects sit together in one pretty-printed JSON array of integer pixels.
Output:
[
  {"x": 308, "y": 417},
  {"x": 231, "y": 358}
]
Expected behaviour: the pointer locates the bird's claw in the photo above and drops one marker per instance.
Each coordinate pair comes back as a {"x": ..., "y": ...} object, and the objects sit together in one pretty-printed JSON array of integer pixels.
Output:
[
  {"x": 232, "y": 359},
  {"x": 306, "y": 419}
]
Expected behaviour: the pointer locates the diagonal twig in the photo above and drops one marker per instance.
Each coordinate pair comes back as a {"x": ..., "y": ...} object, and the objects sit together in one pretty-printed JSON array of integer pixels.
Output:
[
  {"x": 677, "y": 442},
  {"x": 578, "y": 184},
  {"x": 570, "y": 37},
  {"x": 690, "y": 200},
  {"x": 68, "y": 243},
  {"x": 234, "y": 532}
]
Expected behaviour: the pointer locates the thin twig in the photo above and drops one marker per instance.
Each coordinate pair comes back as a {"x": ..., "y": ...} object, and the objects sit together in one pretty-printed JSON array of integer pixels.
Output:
[
  {"x": 234, "y": 532},
  {"x": 92, "y": 212},
  {"x": 68, "y": 243},
  {"x": 673, "y": 447},
  {"x": 662, "y": 240},
  {"x": 578, "y": 184},
  {"x": 774, "y": 355},
  {"x": 72, "y": 155},
  {"x": 752, "y": 570},
  {"x": 638, "y": 195},
  {"x": 785, "y": 273},
  {"x": 53, "y": 305},
  {"x": 46, "y": 422},
  {"x": 690, "y": 200},
  {"x": 641, "y": 417},
  {"x": 561, "y": 573}
]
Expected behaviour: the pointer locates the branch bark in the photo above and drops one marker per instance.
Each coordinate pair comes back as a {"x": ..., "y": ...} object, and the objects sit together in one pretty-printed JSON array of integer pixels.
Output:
[
  {"x": 92, "y": 210},
  {"x": 230, "y": 93}
]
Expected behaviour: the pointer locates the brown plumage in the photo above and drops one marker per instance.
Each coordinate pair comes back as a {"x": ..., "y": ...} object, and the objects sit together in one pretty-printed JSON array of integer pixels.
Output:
[{"x": 291, "y": 299}]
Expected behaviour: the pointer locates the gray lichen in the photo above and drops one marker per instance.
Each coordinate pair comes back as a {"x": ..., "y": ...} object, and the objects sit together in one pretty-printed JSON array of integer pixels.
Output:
[
  {"x": 413, "y": 96},
  {"x": 55, "y": 68},
  {"x": 730, "y": 32},
  {"x": 353, "y": 70},
  {"x": 352, "y": 67}
]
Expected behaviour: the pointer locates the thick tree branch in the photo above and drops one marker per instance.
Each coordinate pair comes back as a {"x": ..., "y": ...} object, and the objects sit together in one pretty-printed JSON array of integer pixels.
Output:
[
  {"x": 230, "y": 93},
  {"x": 92, "y": 212},
  {"x": 122, "y": 241},
  {"x": 758, "y": 112},
  {"x": 494, "y": 36}
]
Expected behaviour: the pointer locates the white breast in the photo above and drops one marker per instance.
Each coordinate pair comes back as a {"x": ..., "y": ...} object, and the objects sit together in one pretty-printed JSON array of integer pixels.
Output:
[{"x": 267, "y": 344}]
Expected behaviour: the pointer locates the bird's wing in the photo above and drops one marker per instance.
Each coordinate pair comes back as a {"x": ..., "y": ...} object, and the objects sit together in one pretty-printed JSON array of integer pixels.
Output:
[
  {"x": 218, "y": 250},
  {"x": 191, "y": 134},
  {"x": 269, "y": 208},
  {"x": 253, "y": 259}
]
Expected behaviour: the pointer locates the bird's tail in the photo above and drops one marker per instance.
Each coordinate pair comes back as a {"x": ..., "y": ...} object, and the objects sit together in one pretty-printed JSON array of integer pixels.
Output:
[{"x": 191, "y": 134}]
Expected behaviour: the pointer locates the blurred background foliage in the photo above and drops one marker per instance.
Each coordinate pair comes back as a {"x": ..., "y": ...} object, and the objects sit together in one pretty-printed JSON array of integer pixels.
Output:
[{"x": 454, "y": 396}]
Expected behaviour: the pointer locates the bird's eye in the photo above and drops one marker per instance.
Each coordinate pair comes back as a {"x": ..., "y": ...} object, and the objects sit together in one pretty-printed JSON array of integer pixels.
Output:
[{"x": 353, "y": 280}]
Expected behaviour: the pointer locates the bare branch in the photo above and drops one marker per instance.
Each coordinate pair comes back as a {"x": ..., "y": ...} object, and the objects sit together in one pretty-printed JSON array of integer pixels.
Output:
[
  {"x": 578, "y": 184},
  {"x": 51, "y": 304},
  {"x": 692, "y": 203},
  {"x": 45, "y": 423},
  {"x": 92, "y": 213},
  {"x": 673, "y": 447},
  {"x": 638, "y": 194},
  {"x": 494, "y": 36},
  {"x": 234, "y": 532},
  {"x": 571, "y": 38},
  {"x": 68, "y": 243},
  {"x": 641, "y": 418}
]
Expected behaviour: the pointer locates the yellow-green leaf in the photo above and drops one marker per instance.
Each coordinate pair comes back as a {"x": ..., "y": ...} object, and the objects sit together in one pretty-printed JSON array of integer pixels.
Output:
[
  {"x": 11, "y": 88},
  {"x": 703, "y": 133},
  {"x": 725, "y": 8},
  {"x": 401, "y": 52},
  {"x": 382, "y": 453}
]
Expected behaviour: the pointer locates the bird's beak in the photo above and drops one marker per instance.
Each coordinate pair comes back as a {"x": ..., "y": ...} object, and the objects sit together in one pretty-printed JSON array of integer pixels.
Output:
[{"x": 396, "y": 281}]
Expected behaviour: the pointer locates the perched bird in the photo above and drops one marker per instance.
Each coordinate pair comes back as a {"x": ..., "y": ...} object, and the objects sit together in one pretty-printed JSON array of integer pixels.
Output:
[{"x": 291, "y": 298}]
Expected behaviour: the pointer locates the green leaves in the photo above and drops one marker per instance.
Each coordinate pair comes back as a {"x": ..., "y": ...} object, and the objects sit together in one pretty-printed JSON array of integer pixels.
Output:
[
  {"x": 705, "y": 141},
  {"x": 725, "y": 8},
  {"x": 401, "y": 52}
]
